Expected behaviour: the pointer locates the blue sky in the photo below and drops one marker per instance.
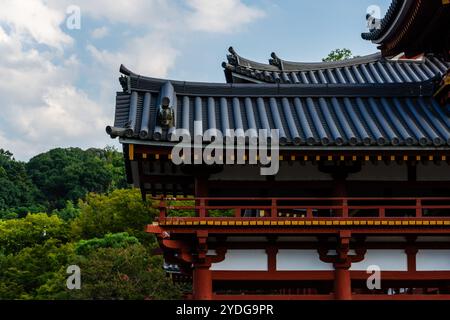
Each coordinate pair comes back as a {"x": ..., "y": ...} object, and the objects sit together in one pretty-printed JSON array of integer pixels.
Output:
[{"x": 57, "y": 84}]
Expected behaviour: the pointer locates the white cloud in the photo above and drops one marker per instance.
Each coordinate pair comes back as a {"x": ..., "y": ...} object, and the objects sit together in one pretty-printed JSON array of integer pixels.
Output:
[
  {"x": 44, "y": 102},
  {"x": 221, "y": 15},
  {"x": 41, "y": 108},
  {"x": 149, "y": 55},
  {"x": 100, "y": 32},
  {"x": 35, "y": 20},
  {"x": 65, "y": 114}
]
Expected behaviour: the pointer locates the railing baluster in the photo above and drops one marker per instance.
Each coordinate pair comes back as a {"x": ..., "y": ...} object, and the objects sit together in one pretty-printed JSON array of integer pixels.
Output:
[
  {"x": 202, "y": 209},
  {"x": 345, "y": 208},
  {"x": 342, "y": 207},
  {"x": 418, "y": 208},
  {"x": 273, "y": 209},
  {"x": 162, "y": 209}
]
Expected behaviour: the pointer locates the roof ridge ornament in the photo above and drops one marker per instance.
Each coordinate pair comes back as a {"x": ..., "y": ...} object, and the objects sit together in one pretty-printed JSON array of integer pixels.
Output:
[
  {"x": 233, "y": 58},
  {"x": 276, "y": 61}
]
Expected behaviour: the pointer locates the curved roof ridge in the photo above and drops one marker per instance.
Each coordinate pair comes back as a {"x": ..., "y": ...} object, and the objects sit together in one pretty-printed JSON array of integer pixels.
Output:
[
  {"x": 306, "y": 66},
  {"x": 239, "y": 61},
  {"x": 277, "y": 64},
  {"x": 136, "y": 82}
]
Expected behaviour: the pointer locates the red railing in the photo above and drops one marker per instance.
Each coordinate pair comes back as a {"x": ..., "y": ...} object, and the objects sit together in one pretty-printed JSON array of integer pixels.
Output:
[{"x": 298, "y": 208}]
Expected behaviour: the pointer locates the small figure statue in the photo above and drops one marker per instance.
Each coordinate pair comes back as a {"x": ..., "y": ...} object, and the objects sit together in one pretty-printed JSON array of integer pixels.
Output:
[{"x": 166, "y": 116}]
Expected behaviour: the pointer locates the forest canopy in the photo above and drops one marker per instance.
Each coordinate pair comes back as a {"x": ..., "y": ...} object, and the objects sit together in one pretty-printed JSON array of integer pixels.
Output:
[{"x": 73, "y": 207}]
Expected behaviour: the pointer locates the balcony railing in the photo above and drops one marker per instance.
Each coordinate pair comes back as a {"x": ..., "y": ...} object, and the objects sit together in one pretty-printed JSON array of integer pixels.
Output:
[{"x": 303, "y": 208}]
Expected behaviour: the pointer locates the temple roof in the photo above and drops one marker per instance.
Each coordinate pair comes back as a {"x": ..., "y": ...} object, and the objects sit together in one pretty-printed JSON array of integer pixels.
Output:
[
  {"x": 369, "y": 69},
  {"x": 413, "y": 27},
  {"x": 363, "y": 115}
]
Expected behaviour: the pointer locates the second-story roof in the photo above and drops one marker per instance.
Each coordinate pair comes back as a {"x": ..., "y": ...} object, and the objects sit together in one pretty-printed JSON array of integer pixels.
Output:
[{"x": 369, "y": 69}]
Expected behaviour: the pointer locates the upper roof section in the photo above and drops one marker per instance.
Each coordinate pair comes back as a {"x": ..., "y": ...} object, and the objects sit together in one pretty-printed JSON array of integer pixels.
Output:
[
  {"x": 412, "y": 27},
  {"x": 307, "y": 115},
  {"x": 369, "y": 69}
]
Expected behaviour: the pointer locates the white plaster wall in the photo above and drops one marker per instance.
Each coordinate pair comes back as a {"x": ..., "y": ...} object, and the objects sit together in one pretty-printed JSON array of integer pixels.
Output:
[
  {"x": 298, "y": 260},
  {"x": 432, "y": 172},
  {"x": 433, "y": 260},
  {"x": 380, "y": 172},
  {"x": 248, "y": 260},
  {"x": 387, "y": 260}
]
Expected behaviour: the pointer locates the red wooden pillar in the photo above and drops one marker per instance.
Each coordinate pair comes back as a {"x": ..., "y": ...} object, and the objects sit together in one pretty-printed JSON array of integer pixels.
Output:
[
  {"x": 342, "y": 279},
  {"x": 340, "y": 191},
  {"x": 201, "y": 191},
  {"x": 202, "y": 282},
  {"x": 342, "y": 282}
]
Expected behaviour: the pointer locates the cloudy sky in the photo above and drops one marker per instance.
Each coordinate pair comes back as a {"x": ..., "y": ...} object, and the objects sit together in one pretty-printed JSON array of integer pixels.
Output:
[{"x": 58, "y": 81}]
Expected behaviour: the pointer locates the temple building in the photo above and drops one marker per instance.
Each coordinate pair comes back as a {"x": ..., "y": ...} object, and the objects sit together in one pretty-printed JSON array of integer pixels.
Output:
[{"x": 362, "y": 179}]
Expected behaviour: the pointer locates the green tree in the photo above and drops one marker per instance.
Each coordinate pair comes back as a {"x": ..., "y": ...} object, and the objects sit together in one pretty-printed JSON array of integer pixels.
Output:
[
  {"x": 119, "y": 211},
  {"x": 23, "y": 273},
  {"x": 18, "y": 195},
  {"x": 69, "y": 174},
  {"x": 70, "y": 212},
  {"x": 112, "y": 273},
  {"x": 110, "y": 240},
  {"x": 339, "y": 54},
  {"x": 18, "y": 234}
]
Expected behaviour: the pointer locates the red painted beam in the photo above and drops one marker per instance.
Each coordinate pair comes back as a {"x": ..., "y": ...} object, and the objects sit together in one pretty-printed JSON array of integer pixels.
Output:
[
  {"x": 273, "y": 297},
  {"x": 325, "y": 275},
  {"x": 273, "y": 275}
]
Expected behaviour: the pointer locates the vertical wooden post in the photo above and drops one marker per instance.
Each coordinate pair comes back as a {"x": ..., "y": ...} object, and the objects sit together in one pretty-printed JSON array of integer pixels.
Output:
[
  {"x": 339, "y": 191},
  {"x": 162, "y": 209},
  {"x": 342, "y": 282},
  {"x": 201, "y": 191},
  {"x": 273, "y": 208},
  {"x": 345, "y": 208},
  {"x": 411, "y": 253},
  {"x": 418, "y": 208},
  {"x": 202, "y": 282},
  {"x": 271, "y": 251},
  {"x": 202, "y": 210}
]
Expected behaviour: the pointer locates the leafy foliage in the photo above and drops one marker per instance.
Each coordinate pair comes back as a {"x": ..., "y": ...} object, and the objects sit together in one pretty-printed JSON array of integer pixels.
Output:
[
  {"x": 338, "y": 55},
  {"x": 69, "y": 206},
  {"x": 17, "y": 191},
  {"x": 70, "y": 212},
  {"x": 116, "y": 240},
  {"x": 69, "y": 174},
  {"x": 17, "y": 234},
  {"x": 22, "y": 274},
  {"x": 130, "y": 272},
  {"x": 119, "y": 211}
]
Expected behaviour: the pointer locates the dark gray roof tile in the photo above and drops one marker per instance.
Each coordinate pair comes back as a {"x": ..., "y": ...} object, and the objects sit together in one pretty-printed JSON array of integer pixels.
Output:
[{"x": 364, "y": 115}]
